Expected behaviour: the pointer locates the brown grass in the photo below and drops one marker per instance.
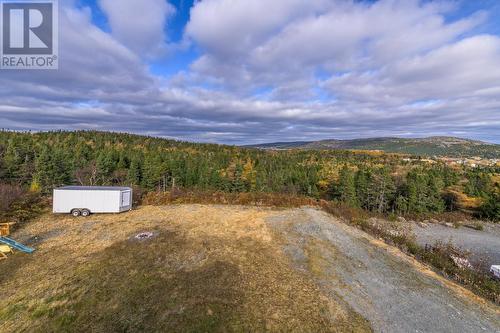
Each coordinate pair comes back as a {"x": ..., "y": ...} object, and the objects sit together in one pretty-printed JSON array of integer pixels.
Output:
[
  {"x": 18, "y": 205},
  {"x": 8, "y": 195},
  {"x": 478, "y": 281},
  {"x": 181, "y": 196},
  {"x": 53, "y": 296},
  {"x": 209, "y": 268}
]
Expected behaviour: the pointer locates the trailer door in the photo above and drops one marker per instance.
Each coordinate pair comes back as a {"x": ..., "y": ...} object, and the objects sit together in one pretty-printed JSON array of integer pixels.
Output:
[{"x": 125, "y": 199}]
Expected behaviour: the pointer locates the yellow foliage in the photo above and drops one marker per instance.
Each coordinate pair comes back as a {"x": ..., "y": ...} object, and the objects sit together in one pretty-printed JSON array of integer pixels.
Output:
[
  {"x": 329, "y": 173},
  {"x": 368, "y": 152},
  {"x": 249, "y": 174},
  {"x": 35, "y": 186},
  {"x": 464, "y": 201},
  {"x": 496, "y": 180}
]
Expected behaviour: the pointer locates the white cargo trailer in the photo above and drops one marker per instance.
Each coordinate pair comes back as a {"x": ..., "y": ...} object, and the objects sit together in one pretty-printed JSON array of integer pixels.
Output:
[{"x": 84, "y": 200}]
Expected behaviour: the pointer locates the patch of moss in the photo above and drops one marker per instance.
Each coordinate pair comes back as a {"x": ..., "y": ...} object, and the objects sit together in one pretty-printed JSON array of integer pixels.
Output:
[
  {"x": 41, "y": 310},
  {"x": 11, "y": 310}
]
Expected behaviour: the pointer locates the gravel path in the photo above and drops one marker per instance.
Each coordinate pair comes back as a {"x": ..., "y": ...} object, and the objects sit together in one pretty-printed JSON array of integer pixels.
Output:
[
  {"x": 391, "y": 290},
  {"x": 483, "y": 245}
]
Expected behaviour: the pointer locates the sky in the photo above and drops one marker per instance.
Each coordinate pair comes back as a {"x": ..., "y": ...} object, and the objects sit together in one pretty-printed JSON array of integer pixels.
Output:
[{"x": 254, "y": 71}]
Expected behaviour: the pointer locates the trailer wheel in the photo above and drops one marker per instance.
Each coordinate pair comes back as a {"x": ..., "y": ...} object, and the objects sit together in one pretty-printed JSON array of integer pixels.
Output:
[
  {"x": 75, "y": 212},
  {"x": 85, "y": 212}
]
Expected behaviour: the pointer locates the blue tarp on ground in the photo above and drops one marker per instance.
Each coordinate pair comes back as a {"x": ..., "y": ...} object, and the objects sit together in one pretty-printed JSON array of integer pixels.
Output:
[{"x": 18, "y": 246}]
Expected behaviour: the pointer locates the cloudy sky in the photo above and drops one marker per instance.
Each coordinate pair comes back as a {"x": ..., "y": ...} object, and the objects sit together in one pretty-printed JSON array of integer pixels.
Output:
[{"x": 250, "y": 71}]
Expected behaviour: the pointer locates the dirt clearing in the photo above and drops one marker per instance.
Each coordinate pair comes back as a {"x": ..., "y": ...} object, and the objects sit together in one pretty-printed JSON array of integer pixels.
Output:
[
  {"x": 393, "y": 291},
  {"x": 206, "y": 268}
]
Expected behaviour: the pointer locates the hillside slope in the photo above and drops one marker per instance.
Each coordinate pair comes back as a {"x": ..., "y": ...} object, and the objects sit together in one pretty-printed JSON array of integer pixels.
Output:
[
  {"x": 392, "y": 290},
  {"x": 207, "y": 269},
  {"x": 224, "y": 269},
  {"x": 439, "y": 146}
]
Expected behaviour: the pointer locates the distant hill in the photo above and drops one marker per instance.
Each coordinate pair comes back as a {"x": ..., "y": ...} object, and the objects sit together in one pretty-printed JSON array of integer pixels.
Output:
[{"x": 437, "y": 145}]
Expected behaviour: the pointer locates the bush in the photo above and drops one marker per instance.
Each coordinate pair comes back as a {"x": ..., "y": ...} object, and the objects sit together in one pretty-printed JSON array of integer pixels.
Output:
[
  {"x": 182, "y": 196},
  {"x": 479, "y": 280},
  {"x": 491, "y": 208},
  {"x": 8, "y": 195},
  {"x": 18, "y": 205},
  {"x": 452, "y": 217},
  {"x": 344, "y": 211},
  {"x": 29, "y": 206},
  {"x": 137, "y": 195}
]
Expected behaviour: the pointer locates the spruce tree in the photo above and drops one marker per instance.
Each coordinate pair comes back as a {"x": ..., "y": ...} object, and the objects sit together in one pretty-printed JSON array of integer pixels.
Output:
[
  {"x": 347, "y": 187},
  {"x": 134, "y": 172}
]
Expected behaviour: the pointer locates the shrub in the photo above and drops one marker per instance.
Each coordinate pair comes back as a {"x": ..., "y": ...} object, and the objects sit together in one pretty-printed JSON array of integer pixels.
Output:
[
  {"x": 344, "y": 211},
  {"x": 29, "y": 206},
  {"x": 182, "y": 196},
  {"x": 19, "y": 205},
  {"x": 491, "y": 208},
  {"x": 8, "y": 195}
]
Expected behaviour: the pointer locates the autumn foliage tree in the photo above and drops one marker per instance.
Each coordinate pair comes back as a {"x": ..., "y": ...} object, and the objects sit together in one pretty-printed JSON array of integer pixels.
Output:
[{"x": 381, "y": 183}]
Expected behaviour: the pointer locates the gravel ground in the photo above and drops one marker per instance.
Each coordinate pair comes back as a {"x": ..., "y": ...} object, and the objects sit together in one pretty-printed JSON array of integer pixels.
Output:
[
  {"x": 393, "y": 291},
  {"x": 295, "y": 268},
  {"x": 483, "y": 245}
]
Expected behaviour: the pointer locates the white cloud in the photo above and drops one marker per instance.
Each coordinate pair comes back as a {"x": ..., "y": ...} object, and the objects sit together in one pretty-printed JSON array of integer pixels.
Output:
[
  {"x": 268, "y": 71},
  {"x": 248, "y": 39},
  {"x": 229, "y": 28},
  {"x": 92, "y": 66},
  {"x": 139, "y": 24},
  {"x": 467, "y": 68}
]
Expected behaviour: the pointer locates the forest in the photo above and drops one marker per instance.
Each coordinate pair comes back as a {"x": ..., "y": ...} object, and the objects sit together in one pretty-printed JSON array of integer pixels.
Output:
[{"x": 32, "y": 164}]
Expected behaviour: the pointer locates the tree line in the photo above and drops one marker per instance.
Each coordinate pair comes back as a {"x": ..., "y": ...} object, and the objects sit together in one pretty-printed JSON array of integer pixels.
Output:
[{"x": 383, "y": 183}]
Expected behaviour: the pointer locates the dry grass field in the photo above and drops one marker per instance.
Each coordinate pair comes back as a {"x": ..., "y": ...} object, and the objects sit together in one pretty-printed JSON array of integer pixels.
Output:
[
  {"x": 215, "y": 268},
  {"x": 207, "y": 268}
]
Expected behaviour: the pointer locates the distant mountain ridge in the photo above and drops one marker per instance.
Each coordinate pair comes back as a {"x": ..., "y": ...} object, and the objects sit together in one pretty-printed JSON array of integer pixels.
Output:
[{"x": 430, "y": 146}]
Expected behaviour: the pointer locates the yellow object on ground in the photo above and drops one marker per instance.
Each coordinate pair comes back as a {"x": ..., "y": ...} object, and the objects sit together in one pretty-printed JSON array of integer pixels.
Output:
[
  {"x": 5, "y": 228},
  {"x": 4, "y": 249}
]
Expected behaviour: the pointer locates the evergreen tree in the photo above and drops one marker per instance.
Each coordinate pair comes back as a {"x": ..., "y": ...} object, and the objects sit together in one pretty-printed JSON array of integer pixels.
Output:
[
  {"x": 491, "y": 207},
  {"x": 381, "y": 183},
  {"x": 152, "y": 171},
  {"x": 435, "y": 187},
  {"x": 105, "y": 166},
  {"x": 347, "y": 187},
  {"x": 362, "y": 180},
  {"x": 401, "y": 205},
  {"x": 134, "y": 174},
  {"x": 383, "y": 189},
  {"x": 416, "y": 192}
]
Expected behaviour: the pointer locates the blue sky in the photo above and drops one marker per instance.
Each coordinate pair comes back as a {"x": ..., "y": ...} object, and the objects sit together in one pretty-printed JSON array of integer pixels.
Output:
[{"x": 251, "y": 71}]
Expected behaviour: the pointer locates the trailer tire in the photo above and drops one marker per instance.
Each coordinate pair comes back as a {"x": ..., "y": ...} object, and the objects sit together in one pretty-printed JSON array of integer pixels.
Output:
[
  {"x": 85, "y": 212},
  {"x": 75, "y": 212}
]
